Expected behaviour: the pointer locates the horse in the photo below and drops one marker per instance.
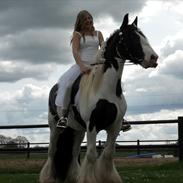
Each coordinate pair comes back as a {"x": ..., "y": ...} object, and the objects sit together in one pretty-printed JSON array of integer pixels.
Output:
[{"x": 97, "y": 103}]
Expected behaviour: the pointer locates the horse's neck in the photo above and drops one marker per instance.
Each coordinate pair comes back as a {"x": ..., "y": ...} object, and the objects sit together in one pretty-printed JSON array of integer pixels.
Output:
[{"x": 111, "y": 78}]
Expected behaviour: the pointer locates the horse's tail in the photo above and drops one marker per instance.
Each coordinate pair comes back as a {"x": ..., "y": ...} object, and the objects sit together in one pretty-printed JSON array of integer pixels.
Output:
[
  {"x": 63, "y": 152},
  {"x": 61, "y": 141},
  {"x": 63, "y": 155}
]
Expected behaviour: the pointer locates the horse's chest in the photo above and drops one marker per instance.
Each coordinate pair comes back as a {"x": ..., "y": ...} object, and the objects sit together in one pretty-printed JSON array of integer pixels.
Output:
[{"x": 103, "y": 115}]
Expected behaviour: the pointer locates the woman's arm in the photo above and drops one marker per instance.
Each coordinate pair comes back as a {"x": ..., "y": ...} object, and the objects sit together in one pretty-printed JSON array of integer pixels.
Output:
[
  {"x": 100, "y": 37},
  {"x": 75, "y": 47}
]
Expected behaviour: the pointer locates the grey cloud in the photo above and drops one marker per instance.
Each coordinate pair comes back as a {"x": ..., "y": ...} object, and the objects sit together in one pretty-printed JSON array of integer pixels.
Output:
[
  {"x": 39, "y": 32},
  {"x": 27, "y": 105},
  {"x": 145, "y": 93},
  {"x": 12, "y": 72},
  {"x": 23, "y": 14},
  {"x": 171, "y": 46},
  {"x": 41, "y": 46},
  {"x": 172, "y": 55},
  {"x": 173, "y": 65}
]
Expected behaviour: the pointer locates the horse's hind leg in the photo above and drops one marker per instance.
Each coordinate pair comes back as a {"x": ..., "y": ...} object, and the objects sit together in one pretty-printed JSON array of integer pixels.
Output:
[
  {"x": 73, "y": 172},
  {"x": 47, "y": 174},
  {"x": 62, "y": 165}
]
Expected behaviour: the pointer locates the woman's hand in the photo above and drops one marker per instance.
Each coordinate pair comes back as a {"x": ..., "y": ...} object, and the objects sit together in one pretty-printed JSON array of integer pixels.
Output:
[{"x": 85, "y": 69}]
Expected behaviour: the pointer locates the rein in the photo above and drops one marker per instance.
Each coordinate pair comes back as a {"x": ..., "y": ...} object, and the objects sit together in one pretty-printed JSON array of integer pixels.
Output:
[{"x": 101, "y": 63}]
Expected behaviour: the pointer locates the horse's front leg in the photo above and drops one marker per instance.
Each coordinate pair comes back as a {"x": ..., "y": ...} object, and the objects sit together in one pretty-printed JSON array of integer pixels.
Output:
[
  {"x": 112, "y": 134},
  {"x": 106, "y": 171},
  {"x": 91, "y": 153},
  {"x": 87, "y": 171}
]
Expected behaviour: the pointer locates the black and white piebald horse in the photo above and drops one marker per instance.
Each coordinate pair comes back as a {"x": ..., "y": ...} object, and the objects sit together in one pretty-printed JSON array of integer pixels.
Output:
[{"x": 97, "y": 103}]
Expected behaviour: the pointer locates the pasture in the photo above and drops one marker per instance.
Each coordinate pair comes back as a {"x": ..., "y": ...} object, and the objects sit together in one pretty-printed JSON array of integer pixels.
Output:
[{"x": 19, "y": 170}]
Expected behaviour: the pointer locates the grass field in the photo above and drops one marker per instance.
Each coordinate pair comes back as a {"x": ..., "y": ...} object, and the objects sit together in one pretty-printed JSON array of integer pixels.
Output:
[{"x": 131, "y": 170}]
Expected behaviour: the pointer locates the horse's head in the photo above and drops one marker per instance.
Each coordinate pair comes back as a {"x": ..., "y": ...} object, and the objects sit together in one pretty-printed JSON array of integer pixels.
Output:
[{"x": 134, "y": 46}]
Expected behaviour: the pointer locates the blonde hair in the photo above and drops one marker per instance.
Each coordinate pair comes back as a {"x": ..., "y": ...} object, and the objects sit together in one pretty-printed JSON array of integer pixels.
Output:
[{"x": 79, "y": 23}]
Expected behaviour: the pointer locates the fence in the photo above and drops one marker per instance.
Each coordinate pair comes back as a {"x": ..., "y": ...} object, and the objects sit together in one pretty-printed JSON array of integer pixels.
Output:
[{"x": 138, "y": 147}]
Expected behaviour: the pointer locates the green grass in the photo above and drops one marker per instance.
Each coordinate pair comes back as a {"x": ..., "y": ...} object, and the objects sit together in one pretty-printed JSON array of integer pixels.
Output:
[
  {"x": 27, "y": 171},
  {"x": 166, "y": 173},
  {"x": 17, "y": 170},
  {"x": 19, "y": 178}
]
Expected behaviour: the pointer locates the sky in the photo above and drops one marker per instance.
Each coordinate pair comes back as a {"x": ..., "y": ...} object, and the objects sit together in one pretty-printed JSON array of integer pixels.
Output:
[{"x": 35, "y": 51}]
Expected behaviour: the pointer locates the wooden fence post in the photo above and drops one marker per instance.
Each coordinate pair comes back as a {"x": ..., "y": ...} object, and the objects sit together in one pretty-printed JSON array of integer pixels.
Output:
[
  {"x": 180, "y": 137},
  {"x": 138, "y": 147},
  {"x": 28, "y": 150}
]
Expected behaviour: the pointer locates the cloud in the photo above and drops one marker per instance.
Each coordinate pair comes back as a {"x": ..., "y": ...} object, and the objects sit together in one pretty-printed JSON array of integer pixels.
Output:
[
  {"x": 11, "y": 72},
  {"x": 26, "y": 105},
  {"x": 155, "y": 131},
  {"x": 171, "y": 44},
  {"x": 22, "y": 15},
  {"x": 37, "y": 33},
  {"x": 154, "y": 89},
  {"x": 173, "y": 65},
  {"x": 37, "y": 46}
]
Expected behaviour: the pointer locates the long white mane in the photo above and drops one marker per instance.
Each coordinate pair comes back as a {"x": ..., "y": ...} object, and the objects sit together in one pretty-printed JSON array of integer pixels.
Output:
[{"x": 90, "y": 82}]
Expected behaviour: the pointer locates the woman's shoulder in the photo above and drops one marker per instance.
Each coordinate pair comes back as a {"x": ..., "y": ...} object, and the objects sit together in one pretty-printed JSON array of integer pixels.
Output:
[
  {"x": 97, "y": 33},
  {"x": 76, "y": 33}
]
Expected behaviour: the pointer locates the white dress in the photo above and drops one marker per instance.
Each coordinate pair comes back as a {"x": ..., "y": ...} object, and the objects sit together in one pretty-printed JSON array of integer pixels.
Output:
[{"x": 88, "y": 51}]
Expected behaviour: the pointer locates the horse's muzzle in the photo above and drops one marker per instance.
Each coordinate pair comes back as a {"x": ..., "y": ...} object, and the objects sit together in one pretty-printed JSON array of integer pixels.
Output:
[
  {"x": 154, "y": 59},
  {"x": 155, "y": 65}
]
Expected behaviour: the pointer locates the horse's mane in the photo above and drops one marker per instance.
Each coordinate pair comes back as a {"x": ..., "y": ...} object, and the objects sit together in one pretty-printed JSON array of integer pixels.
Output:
[
  {"x": 113, "y": 37},
  {"x": 111, "y": 41},
  {"x": 106, "y": 45},
  {"x": 90, "y": 83}
]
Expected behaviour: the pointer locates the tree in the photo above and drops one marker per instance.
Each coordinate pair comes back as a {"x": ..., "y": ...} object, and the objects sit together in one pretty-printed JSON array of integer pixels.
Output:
[
  {"x": 4, "y": 140},
  {"x": 18, "y": 142},
  {"x": 21, "y": 141}
]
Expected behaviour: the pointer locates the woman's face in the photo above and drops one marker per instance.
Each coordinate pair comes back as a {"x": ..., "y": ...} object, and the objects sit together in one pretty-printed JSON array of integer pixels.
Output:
[{"x": 88, "y": 22}]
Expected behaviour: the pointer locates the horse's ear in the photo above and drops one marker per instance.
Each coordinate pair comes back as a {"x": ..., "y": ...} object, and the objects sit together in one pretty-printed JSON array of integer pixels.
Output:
[
  {"x": 125, "y": 22},
  {"x": 135, "y": 21}
]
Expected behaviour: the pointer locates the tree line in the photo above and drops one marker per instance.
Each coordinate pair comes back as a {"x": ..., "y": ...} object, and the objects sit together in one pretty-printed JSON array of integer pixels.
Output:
[{"x": 8, "y": 142}]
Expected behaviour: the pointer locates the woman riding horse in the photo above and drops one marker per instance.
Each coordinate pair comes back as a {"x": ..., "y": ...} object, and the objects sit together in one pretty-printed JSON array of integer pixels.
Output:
[
  {"x": 97, "y": 104},
  {"x": 85, "y": 43}
]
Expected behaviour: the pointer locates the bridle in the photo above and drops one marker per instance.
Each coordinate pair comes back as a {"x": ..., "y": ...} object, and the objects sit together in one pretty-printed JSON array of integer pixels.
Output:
[
  {"x": 122, "y": 43},
  {"x": 121, "y": 58}
]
